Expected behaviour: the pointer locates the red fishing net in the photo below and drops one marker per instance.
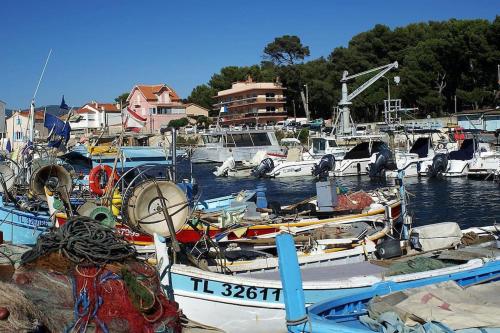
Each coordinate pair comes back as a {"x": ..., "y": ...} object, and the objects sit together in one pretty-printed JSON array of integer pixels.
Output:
[
  {"x": 103, "y": 299},
  {"x": 354, "y": 202}
]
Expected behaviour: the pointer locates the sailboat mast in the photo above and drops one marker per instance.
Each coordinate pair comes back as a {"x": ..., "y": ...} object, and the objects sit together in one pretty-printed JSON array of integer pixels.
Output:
[{"x": 31, "y": 123}]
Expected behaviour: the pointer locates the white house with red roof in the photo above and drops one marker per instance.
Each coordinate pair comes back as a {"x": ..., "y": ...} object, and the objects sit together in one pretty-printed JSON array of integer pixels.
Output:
[
  {"x": 94, "y": 115},
  {"x": 158, "y": 104}
]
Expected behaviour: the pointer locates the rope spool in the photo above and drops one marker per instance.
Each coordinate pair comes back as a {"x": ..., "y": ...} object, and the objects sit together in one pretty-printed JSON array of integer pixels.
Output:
[
  {"x": 95, "y": 178},
  {"x": 104, "y": 216}
]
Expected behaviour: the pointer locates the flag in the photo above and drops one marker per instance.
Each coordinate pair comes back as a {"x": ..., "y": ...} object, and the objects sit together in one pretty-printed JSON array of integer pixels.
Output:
[
  {"x": 134, "y": 121},
  {"x": 63, "y": 105},
  {"x": 8, "y": 146},
  {"x": 59, "y": 130},
  {"x": 223, "y": 109}
]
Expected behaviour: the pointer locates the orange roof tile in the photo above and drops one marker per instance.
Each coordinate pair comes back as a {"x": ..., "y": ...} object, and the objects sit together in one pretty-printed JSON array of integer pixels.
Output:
[
  {"x": 151, "y": 92},
  {"x": 108, "y": 107}
]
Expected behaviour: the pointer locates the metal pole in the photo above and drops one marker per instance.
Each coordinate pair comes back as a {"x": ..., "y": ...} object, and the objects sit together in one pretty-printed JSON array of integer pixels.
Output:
[{"x": 174, "y": 154}]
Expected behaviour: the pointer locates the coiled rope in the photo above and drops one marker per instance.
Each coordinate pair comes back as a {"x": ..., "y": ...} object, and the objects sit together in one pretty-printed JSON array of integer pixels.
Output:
[{"x": 82, "y": 240}]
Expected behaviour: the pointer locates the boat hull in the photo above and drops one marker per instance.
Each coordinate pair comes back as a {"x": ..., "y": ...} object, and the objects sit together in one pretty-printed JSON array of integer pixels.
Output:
[
  {"x": 20, "y": 227},
  {"x": 256, "y": 305}
]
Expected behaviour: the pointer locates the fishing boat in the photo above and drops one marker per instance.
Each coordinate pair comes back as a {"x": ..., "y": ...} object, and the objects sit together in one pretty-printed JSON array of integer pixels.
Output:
[
  {"x": 346, "y": 313},
  {"x": 254, "y": 302},
  {"x": 218, "y": 146}
]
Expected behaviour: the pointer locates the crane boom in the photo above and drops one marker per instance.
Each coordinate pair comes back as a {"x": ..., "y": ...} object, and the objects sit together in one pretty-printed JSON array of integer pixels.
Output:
[
  {"x": 368, "y": 83},
  {"x": 345, "y": 119}
]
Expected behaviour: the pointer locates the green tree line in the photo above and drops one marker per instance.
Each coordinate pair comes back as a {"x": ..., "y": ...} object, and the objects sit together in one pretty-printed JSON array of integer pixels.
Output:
[{"x": 437, "y": 61}]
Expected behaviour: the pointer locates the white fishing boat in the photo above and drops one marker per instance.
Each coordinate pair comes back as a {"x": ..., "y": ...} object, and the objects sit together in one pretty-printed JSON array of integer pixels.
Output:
[
  {"x": 240, "y": 145},
  {"x": 253, "y": 302}
]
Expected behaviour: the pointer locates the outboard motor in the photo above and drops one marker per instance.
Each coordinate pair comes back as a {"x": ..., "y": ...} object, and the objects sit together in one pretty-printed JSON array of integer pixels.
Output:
[
  {"x": 326, "y": 164},
  {"x": 439, "y": 165},
  {"x": 222, "y": 171},
  {"x": 384, "y": 160},
  {"x": 265, "y": 166}
]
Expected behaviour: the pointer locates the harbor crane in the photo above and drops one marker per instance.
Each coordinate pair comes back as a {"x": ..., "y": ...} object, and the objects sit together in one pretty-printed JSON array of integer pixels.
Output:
[{"x": 345, "y": 114}]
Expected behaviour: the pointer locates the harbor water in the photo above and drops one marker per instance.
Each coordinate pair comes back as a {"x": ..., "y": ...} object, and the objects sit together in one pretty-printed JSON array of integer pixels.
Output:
[{"x": 468, "y": 202}]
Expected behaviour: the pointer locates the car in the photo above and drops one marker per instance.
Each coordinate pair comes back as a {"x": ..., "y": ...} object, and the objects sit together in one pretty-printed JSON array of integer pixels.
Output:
[
  {"x": 236, "y": 128},
  {"x": 189, "y": 129}
]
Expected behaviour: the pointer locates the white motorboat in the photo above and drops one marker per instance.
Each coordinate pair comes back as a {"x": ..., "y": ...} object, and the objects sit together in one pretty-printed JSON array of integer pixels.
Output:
[
  {"x": 474, "y": 158},
  {"x": 324, "y": 145},
  {"x": 418, "y": 160},
  {"x": 240, "y": 145},
  {"x": 356, "y": 161},
  {"x": 293, "y": 166}
]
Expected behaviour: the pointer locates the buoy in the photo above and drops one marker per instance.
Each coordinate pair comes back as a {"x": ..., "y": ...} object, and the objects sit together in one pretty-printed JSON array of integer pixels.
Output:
[
  {"x": 4, "y": 313},
  {"x": 95, "y": 176},
  {"x": 116, "y": 203}
]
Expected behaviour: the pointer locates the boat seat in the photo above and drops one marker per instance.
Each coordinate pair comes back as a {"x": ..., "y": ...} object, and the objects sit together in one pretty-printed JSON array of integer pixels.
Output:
[{"x": 294, "y": 155}]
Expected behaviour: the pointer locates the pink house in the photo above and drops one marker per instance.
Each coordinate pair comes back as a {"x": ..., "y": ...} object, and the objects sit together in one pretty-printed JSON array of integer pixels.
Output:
[{"x": 157, "y": 103}]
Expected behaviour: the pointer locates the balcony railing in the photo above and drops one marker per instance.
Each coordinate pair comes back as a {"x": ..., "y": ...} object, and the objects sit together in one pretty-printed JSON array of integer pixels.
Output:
[{"x": 250, "y": 100}]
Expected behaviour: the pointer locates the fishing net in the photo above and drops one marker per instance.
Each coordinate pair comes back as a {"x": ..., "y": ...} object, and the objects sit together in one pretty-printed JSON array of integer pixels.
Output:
[
  {"x": 418, "y": 264},
  {"x": 356, "y": 201}
]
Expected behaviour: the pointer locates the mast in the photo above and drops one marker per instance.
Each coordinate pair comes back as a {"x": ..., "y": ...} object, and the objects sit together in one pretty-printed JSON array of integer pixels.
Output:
[{"x": 31, "y": 123}]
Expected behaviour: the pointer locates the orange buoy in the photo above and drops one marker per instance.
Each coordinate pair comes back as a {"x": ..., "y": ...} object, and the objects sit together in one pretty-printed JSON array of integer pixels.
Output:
[{"x": 95, "y": 176}]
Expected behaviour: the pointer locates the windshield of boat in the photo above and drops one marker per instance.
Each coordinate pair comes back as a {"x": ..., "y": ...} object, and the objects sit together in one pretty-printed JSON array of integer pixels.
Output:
[
  {"x": 247, "y": 139},
  {"x": 421, "y": 147},
  {"x": 332, "y": 143},
  {"x": 466, "y": 151},
  {"x": 212, "y": 138},
  {"x": 318, "y": 145},
  {"x": 362, "y": 150}
]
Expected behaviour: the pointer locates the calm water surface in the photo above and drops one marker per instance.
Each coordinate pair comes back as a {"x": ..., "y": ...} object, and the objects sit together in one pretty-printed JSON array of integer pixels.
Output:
[{"x": 466, "y": 201}]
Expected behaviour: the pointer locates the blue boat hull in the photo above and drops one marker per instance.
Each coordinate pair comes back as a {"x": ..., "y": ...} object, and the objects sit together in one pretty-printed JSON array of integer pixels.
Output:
[
  {"x": 342, "y": 314},
  {"x": 20, "y": 227}
]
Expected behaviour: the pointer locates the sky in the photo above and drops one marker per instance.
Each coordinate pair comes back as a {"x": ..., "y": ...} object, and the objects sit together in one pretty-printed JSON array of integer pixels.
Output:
[{"x": 102, "y": 48}]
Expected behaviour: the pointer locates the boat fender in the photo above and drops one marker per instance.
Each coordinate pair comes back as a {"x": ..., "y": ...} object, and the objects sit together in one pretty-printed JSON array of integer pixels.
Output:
[
  {"x": 95, "y": 178},
  {"x": 389, "y": 248},
  {"x": 116, "y": 203},
  {"x": 104, "y": 216}
]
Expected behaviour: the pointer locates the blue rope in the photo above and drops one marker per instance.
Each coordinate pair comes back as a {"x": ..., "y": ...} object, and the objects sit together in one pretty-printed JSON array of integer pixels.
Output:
[{"x": 82, "y": 304}]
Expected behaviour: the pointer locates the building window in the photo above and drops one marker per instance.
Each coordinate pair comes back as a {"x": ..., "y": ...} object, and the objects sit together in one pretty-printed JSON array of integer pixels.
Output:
[
  {"x": 18, "y": 136},
  {"x": 152, "y": 110},
  {"x": 270, "y": 108}
]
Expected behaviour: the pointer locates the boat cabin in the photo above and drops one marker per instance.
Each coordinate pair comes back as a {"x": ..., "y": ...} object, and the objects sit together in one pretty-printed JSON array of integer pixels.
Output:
[{"x": 240, "y": 139}]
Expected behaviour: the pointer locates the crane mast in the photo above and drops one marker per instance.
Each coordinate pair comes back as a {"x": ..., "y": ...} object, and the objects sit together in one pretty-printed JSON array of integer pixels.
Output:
[{"x": 345, "y": 118}]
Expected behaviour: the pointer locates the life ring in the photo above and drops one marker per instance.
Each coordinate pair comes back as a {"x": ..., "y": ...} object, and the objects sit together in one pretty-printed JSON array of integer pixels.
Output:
[
  {"x": 440, "y": 146},
  {"x": 95, "y": 176}
]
